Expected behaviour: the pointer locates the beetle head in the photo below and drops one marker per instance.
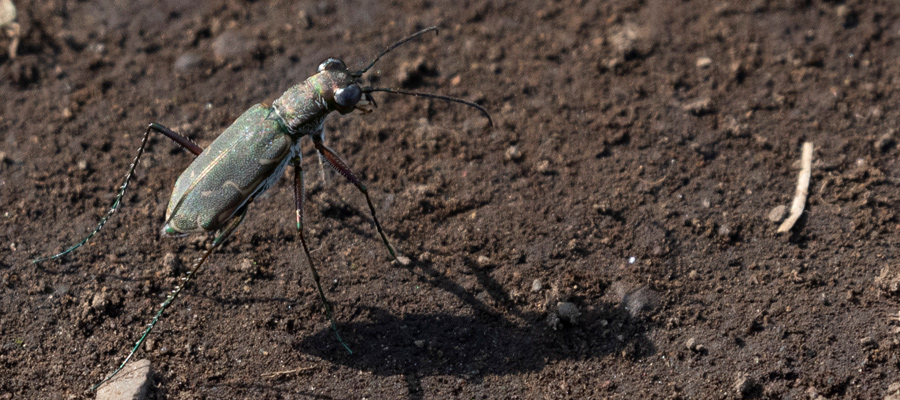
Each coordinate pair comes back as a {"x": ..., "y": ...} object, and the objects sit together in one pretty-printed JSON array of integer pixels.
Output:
[{"x": 346, "y": 92}]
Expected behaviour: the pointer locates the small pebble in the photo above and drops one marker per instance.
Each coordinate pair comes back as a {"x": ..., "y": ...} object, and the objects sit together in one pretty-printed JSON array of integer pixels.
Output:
[
  {"x": 536, "y": 286},
  {"x": 171, "y": 264},
  {"x": 704, "y": 62},
  {"x": 691, "y": 344},
  {"x": 700, "y": 106},
  {"x": 513, "y": 154},
  {"x": 483, "y": 261},
  {"x": 188, "y": 62},
  {"x": 777, "y": 213},
  {"x": 131, "y": 383},
  {"x": 568, "y": 311},
  {"x": 842, "y": 11},
  {"x": 99, "y": 301},
  {"x": 405, "y": 260},
  {"x": 420, "y": 343}
]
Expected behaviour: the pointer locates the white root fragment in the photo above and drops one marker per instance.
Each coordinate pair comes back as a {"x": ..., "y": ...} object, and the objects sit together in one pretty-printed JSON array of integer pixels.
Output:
[{"x": 802, "y": 189}]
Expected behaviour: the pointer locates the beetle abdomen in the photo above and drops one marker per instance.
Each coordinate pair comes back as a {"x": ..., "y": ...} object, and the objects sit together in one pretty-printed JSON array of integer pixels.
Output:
[{"x": 241, "y": 163}]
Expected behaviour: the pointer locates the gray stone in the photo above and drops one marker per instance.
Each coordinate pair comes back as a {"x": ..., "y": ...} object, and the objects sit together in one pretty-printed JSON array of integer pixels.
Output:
[{"x": 130, "y": 384}]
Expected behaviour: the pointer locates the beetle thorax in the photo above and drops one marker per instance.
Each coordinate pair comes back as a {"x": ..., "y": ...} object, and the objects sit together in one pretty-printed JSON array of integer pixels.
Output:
[{"x": 304, "y": 106}]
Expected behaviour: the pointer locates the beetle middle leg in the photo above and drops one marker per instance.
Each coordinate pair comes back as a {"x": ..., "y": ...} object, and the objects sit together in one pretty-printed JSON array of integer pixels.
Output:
[
  {"x": 184, "y": 142},
  {"x": 299, "y": 199},
  {"x": 339, "y": 165}
]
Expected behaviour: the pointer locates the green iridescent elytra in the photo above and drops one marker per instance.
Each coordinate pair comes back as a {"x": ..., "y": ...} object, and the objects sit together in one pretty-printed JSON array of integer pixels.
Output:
[{"x": 235, "y": 167}]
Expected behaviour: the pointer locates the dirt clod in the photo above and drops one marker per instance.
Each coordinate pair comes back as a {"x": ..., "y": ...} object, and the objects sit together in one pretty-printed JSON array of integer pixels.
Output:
[
  {"x": 888, "y": 280},
  {"x": 744, "y": 384}
]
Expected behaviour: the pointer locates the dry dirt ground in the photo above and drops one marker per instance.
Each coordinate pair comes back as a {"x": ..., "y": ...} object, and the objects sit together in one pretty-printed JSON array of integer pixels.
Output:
[{"x": 638, "y": 151}]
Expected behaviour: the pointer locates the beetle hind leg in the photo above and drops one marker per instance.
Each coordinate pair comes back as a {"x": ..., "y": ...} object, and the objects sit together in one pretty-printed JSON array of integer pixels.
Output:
[
  {"x": 195, "y": 270},
  {"x": 181, "y": 140}
]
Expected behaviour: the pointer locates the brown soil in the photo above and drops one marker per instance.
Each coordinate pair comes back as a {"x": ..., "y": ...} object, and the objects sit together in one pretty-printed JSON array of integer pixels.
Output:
[{"x": 639, "y": 148}]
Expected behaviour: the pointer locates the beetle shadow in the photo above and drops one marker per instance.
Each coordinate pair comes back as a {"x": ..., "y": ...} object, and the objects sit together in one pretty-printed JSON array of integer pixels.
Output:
[{"x": 472, "y": 347}]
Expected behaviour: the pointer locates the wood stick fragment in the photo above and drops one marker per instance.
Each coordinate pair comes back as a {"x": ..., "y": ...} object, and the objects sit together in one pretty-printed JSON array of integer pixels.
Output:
[{"x": 802, "y": 189}]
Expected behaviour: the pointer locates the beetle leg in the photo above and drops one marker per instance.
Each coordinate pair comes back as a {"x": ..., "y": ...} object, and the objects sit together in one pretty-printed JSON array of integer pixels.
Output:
[
  {"x": 336, "y": 162},
  {"x": 298, "y": 203},
  {"x": 195, "y": 270},
  {"x": 181, "y": 140},
  {"x": 323, "y": 175}
]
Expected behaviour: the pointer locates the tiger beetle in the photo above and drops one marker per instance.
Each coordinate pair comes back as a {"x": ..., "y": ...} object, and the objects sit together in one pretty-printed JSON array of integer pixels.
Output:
[{"x": 213, "y": 194}]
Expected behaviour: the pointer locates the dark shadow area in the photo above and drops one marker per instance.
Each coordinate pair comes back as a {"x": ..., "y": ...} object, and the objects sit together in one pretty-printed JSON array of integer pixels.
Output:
[
  {"x": 472, "y": 347},
  {"x": 420, "y": 345}
]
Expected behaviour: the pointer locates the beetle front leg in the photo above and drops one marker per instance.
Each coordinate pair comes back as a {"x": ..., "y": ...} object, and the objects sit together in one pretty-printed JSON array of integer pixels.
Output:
[
  {"x": 181, "y": 140},
  {"x": 339, "y": 165},
  {"x": 299, "y": 200}
]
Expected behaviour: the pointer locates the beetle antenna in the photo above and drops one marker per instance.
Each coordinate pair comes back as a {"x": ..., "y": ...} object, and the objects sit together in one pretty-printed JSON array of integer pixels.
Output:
[
  {"x": 394, "y": 46},
  {"x": 434, "y": 96}
]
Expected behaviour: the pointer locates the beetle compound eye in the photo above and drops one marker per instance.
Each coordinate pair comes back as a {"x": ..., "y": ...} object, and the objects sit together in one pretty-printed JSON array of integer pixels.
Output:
[
  {"x": 348, "y": 96},
  {"x": 332, "y": 64}
]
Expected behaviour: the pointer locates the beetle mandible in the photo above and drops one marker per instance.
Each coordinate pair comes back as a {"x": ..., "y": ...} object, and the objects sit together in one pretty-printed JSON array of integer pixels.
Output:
[{"x": 214, "y": 193}]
